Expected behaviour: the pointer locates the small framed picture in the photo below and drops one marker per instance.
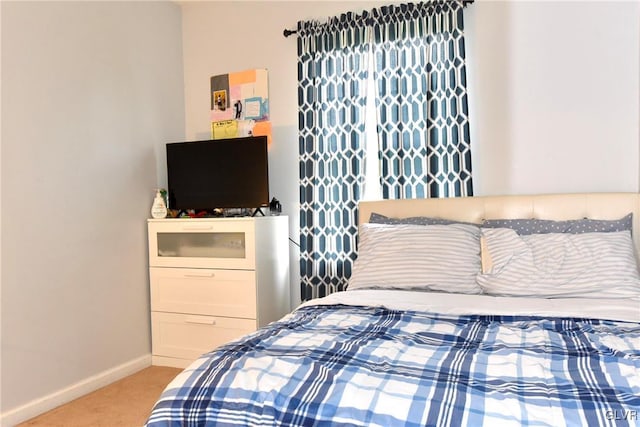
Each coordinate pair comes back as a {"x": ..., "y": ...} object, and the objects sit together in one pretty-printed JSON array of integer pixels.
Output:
[{"x": 220, "y": 100}]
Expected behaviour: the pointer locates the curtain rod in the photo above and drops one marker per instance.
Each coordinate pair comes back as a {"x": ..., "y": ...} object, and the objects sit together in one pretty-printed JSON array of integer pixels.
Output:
[{"x": 288, "y": 33}]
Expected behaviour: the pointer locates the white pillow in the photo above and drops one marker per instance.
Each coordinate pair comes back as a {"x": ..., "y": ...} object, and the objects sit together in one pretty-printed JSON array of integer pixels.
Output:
[
  {"x": 422, "y": 257},
  {"x": 589, "y": 265}
]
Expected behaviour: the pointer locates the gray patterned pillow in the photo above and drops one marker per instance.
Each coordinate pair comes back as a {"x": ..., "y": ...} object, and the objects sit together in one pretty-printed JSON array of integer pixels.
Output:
[
  {"x": 377, "y": 218},
  {"x": 525, "y": 227}
]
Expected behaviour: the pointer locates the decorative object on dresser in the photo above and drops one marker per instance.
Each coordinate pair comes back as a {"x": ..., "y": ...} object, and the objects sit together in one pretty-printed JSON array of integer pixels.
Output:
[
  {"x": 214, "y": 280},
  {"x": 159, "y": 207}
]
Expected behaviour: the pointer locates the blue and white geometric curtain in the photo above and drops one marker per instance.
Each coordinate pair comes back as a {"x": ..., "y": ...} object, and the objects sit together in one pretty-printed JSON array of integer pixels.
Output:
[
  {"x": 423, "y": 121},
  {"x": 332, "y": 76}
]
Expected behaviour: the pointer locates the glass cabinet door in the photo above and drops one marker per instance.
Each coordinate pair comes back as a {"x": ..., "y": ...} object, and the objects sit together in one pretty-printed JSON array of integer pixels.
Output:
[{"x": 202, "y": 243}]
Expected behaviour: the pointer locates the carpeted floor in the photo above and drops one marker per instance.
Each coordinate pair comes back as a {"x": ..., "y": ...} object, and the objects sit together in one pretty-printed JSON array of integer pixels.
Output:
[{"x": 125, "y": 403}]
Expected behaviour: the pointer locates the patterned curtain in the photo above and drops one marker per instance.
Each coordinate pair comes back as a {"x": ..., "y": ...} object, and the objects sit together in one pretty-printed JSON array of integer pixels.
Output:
[
  {"x": 332, "y": 75},
  {"x": 423, "y": 126}
]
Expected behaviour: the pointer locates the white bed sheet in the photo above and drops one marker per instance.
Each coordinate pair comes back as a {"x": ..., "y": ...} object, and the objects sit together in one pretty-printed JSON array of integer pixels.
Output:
[{"x": 460, "y": 304}]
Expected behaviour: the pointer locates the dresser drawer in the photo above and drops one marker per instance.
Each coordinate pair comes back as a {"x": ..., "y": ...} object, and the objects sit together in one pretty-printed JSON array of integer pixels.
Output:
[
  {"x": 230, "y": 293},
  {"x": 187, "y": 336},
  {"x": 201, "y": 243}
]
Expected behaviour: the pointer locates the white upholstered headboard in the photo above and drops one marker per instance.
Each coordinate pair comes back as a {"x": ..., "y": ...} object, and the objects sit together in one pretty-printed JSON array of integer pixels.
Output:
[{"x": 543, "y": 206}]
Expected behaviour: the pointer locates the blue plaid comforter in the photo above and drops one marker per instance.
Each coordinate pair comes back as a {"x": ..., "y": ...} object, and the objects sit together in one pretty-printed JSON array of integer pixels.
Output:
[{"x": 373, "y": 366}]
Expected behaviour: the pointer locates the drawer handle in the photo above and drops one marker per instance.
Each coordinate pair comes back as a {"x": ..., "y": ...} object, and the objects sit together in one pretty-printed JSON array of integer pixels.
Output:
[
  {"x": 200, "y": 275},
  {"x": 197, "y": 228},
  {"x": 200, "y": 321}
]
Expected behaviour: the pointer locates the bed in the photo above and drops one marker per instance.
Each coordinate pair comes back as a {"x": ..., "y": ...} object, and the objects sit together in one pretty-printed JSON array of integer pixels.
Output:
[{"x": 479, "y": 311}]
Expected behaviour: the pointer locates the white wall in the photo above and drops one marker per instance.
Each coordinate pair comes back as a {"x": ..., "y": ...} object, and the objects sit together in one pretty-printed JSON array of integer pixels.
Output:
[
  {"x": 90, "y": 93},
  {"x": 554, "y": 92},
  {"x": 553, "y": 89}
]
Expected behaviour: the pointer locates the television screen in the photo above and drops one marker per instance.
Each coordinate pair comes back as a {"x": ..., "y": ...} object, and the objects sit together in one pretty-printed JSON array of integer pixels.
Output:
[{"x": 221, "y": 173}]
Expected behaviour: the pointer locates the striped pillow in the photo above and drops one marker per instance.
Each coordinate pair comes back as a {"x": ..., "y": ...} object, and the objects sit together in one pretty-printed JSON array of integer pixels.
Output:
[
  {"x": 560, "y": 265},
  {"x": 421, "y": 257}
]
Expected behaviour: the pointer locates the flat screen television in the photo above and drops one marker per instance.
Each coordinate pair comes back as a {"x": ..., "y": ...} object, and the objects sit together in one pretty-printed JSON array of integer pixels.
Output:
[{"x": 217, "y": 174}]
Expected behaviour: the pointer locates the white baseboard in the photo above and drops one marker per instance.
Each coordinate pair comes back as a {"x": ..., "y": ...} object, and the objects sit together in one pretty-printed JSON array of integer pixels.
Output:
[
  {"x": 65, "y": 395},
  {"x": 170, "y": 361}
]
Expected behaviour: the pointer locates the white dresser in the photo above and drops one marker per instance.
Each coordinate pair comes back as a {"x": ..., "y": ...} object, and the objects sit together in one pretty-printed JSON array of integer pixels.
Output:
[{"x": 214, "y": 280}]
